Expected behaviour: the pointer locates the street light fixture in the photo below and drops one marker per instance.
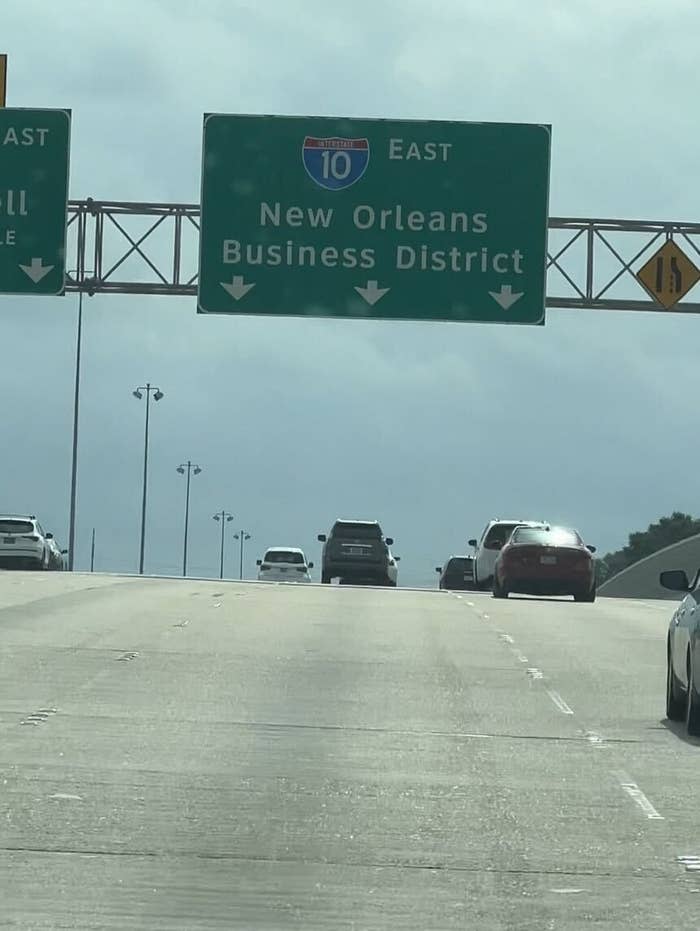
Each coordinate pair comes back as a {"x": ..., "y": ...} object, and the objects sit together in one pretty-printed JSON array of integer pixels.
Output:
[
  {"x": 157, "y": 395},
  {"x": 77, "y": 274},
  {"x": 242, "y": 535},
  {"x": 225, "y": 518},
  {"x": 188, "y": 467}
]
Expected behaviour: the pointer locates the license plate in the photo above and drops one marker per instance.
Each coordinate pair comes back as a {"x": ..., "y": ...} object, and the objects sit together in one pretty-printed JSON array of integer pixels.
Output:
[
  {"x": 9, "y": 540},
  {"x": 356, "y": 551},
  {"x": 548, "y": 560}
]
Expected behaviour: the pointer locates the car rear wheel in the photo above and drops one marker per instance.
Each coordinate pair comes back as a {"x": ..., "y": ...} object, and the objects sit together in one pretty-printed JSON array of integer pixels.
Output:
[
  {"x": 325, "y": 579},
  {"x": 586, "y": 596},
  {"x": 692, "y": 706},
  {"x": 675, "y": 704},
  {"x": 499, "y": 591}
]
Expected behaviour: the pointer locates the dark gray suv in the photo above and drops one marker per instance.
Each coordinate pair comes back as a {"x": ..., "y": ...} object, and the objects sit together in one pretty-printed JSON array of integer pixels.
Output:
[{"x": 356, "y": 551}]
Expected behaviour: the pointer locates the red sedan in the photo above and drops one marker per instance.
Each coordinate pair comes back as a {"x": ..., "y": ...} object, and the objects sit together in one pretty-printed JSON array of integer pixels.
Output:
[{"x": 552, "y": 561}]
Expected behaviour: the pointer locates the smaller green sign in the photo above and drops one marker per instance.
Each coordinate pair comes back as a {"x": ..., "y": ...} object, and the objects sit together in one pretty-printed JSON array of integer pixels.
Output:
[{"x": 34, "y": 160}]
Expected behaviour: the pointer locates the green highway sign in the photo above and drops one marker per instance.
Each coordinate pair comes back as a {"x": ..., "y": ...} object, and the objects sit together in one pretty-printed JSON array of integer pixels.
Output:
[
  {"x": 34, "y": 157},
  {"x": 387, "y": 219}
]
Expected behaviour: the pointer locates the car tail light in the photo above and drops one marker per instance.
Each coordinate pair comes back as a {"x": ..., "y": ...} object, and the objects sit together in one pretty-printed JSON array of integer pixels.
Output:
[
  {"x": 521, "y": 554},
  {"x": 31, "y": 536},
  {"x": 265, "y": 568},
  {"x": 514, "y": 554}
]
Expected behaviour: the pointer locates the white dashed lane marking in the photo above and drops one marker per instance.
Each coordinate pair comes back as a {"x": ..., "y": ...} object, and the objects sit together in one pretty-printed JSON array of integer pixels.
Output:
[
  {"x": 510, "y": 643},
  {"x": 535, "y": 674},
  {"x": 635, "y": 793},
  {"x": 690, "y": 862},
  {"x": 559, "y": 702}
]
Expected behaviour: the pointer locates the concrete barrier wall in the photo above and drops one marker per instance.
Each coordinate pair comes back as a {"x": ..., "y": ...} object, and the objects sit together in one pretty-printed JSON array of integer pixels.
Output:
[{"x": 641, "y": 580}]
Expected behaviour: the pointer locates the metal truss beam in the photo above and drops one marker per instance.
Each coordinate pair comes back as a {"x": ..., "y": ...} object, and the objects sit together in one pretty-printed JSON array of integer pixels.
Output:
[{"x": 118, "y": 247}]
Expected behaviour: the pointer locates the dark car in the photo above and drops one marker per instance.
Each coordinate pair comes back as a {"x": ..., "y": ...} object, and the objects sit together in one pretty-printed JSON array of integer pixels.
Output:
[
  {"x": 545, "y": 561},
  {"x": 357, "y": 552},
  {"x": 457, "y": 573},
  {"x": 683, "y": 652}
]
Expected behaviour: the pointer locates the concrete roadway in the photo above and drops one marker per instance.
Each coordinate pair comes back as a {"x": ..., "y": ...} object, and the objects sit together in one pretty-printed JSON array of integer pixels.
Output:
[{"x": 190, "y": 755}]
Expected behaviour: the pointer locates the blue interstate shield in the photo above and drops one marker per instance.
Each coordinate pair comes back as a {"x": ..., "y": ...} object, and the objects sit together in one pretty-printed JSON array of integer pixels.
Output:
[{"x": 335, "y": 163}]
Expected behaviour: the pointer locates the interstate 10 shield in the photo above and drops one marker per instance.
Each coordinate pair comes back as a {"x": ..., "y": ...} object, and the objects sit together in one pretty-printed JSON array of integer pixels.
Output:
[{"x": 335, "y": 163}]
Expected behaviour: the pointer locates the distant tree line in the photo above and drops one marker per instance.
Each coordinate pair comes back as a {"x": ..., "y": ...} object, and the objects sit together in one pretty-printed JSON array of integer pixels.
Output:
[{"x": 663, "y": 533}]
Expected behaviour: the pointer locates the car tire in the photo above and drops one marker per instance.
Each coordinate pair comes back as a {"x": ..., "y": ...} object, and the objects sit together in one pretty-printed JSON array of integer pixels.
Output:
[
  {"x": 325, "y": 579},
  {"x": 499, "y": 591},
  {"x": 589, "y": 596},
  {"x": 675, "y": 700},
  {"x": 692, "y": 704}
]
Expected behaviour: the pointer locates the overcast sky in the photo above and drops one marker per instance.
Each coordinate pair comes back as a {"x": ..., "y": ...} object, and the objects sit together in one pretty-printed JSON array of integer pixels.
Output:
[{"x": 431, "y": 428}]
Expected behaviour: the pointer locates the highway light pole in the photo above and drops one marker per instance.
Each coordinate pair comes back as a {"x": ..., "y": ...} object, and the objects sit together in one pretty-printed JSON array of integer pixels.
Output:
[
  {"x": 243, "y": 535},
  {"x": 76, "y": 411},
  {"x": 188, "y": 467},
  {"x": 157, "y": 395},
  {"x": 92, "y": 552},
  {"x": 225, "y": 518}
]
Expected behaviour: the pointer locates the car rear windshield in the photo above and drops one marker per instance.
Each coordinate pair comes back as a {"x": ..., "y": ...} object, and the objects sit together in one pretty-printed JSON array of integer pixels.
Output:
[
  {"x": 16, "y": 526},
  {"x": 357, "y": 531},
  {"x": 285, "y": 556},
  {"x": 557, "y": 536},
  {"x": 498, "y": 535},
  {"x": 459, "y": 562}
]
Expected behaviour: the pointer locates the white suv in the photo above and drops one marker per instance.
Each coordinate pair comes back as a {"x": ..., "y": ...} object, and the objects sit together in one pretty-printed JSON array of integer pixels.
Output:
[
  {"x": 284, "y": 564},
  {"x": 493, "y": 539},
  {"x": 23, "y": 543}
]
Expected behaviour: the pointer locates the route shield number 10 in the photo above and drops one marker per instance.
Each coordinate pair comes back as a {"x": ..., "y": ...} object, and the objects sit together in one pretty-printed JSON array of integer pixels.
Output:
[{"x": 335, "y": 163}]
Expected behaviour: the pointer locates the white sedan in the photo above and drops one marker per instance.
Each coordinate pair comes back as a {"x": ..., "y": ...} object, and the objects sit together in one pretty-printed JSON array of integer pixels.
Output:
[{"x": 284, "y": 564}]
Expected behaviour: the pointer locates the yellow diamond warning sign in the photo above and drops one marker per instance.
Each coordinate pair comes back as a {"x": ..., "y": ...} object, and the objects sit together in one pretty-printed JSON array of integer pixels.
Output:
[{"x": 668, "y": 275}]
